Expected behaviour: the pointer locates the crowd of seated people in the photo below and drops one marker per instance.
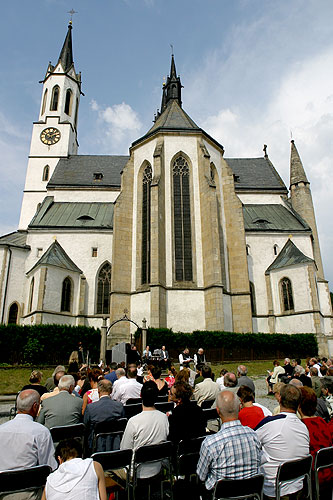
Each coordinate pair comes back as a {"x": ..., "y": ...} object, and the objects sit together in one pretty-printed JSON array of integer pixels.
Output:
[{"x": 250, "y": 439}]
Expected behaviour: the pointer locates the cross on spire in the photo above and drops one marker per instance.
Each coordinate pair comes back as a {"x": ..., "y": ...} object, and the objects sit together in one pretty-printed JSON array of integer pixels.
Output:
[{"x": 72, "y": 12}]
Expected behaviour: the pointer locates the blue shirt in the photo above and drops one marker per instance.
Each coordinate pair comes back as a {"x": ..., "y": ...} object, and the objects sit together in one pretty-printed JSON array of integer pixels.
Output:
[
  {"x": 111, "y": 376},
  {"x": 232, "y": 453}
]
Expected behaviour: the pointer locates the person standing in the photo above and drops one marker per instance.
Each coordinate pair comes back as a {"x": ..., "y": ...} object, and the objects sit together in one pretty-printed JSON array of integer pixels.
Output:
[{"x": 199, "y": 358}]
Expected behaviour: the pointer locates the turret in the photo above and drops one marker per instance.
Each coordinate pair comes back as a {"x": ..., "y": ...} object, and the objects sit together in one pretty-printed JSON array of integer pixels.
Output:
[{"x": 301, "y": 200}]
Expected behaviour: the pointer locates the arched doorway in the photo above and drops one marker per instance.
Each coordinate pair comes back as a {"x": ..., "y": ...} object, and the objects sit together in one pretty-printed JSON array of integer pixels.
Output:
[{"x": 13, "y": 314}]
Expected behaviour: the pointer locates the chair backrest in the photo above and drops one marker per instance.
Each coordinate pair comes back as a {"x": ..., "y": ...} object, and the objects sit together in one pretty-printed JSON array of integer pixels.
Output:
[
  {"x": 30, "y": 478},
  {"x": 207, "y": 404},
  {"x": 188, "y": 455},
  {"x": 153, "y": 452},
  {"x": 133, "y": 401},
  {"x": 294, "y": 469},
  {"x": 61, "y": 432},
  {"x": 193, "y": 445},
  {"x": 323, "y": 460},
  {"x": 210, "y": 414},
  {"x": 193, "y": 402},
  {"x": 113, "y": 460},
  {"x": 240, "y": 488},
  {"x": 164, "y": 407},
  {"x": 106, "y": 427},
  {"x": 132, "y": 410}
]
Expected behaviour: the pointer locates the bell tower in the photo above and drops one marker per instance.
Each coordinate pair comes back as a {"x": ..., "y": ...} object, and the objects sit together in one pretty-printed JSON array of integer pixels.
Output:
[{"x": 54, "y": 135}]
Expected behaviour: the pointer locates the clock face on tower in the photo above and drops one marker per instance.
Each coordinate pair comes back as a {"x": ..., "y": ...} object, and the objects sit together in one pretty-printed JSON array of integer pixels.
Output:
[{"x": 50, "y": 136}]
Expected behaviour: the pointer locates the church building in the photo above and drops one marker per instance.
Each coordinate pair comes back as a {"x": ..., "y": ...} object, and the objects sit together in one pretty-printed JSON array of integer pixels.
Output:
[{"x": 174, "y": 232}]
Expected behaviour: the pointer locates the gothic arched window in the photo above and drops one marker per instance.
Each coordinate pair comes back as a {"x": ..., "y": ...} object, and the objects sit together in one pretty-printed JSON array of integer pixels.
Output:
[
  {"x": 287, "y": 294},
  {"x": 31, "y": 294},
  {"x": 145, "y": 264},
  {"x": 66, "y": 295},
  {"x": 253, "y": 299},
  {"x": 182, "y": 220},
  {"x": 46, "y": 173},
  {"x": 68, "y": 102},
  {"x": 104, "y": 289},
  {"x": 13, "y": 313},
  {"x": 55, "y": 98},
  {"x": 44, "y": 102}
]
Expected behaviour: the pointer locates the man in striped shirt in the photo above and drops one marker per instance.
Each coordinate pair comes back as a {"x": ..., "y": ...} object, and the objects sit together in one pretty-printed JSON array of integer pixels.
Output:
[{"x": 232, "y": 453}]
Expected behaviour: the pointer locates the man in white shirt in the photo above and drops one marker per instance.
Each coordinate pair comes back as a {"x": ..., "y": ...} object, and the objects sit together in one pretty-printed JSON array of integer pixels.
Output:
[
  {"x": 283, "y": 437},
  {"x": 121, "y": 379},
  {"x": 207, "y": 389},
  {"x": 148, "y": 427},
  {"x": 23, "y": 442},
  {"x": 130, "y": 389}
]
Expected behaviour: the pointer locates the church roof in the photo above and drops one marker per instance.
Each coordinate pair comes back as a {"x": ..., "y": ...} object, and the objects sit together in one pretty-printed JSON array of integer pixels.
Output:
[
  {"x": 290, "y": 255},
  {"x": 255, "y": 174},
  {"x": 56, "y": 256},
  {"x": 272, "y": 218},
  {"x": 85, "y": 170},
  {"x": 297, "y": 173},
  {"x": 75, "y": 215},
  {"x": 16, "y": 239},
  {"x": 66, "y": 54}
]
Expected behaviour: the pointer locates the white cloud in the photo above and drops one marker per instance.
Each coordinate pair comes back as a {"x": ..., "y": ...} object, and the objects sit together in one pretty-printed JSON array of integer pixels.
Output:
[{"x": 121, "y": 125}]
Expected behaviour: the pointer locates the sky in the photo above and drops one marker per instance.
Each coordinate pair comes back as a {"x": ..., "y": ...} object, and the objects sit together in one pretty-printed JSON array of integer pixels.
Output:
[{"x": 254, "y": 72}]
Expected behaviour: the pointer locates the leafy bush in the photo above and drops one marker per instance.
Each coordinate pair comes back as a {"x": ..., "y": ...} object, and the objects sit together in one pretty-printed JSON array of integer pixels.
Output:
[{"x": 46, "y": 344}]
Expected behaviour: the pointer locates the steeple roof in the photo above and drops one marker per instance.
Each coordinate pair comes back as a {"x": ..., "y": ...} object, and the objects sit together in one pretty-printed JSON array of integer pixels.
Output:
[
  {"x": 56, "y": 256},
  {"x": 290, "y": 255},
  {"x": 297, "y": 173},
  {"x": 66, "y": 54}
]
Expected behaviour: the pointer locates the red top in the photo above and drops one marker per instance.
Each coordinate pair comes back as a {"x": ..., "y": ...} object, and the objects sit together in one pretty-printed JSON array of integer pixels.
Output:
[
  {"x": 320, "y": 437},
  {"x": 251, "y": 416}
]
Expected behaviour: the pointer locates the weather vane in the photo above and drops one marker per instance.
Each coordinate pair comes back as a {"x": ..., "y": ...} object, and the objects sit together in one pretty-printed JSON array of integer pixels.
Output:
[{"x": 72, "y": 12}]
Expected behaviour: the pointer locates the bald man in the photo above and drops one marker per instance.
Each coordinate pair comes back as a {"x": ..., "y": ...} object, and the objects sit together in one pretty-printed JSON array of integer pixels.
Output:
[{"x": 234, "y": 452}]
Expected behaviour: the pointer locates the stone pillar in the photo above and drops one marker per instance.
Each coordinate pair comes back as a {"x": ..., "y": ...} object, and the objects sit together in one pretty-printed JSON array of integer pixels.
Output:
[
  {"x": 41, "y": 293},
  {"x": 102, "y": 354},
  {"x": 271, "y": 316},
  {"x": 82, "y": 301}
]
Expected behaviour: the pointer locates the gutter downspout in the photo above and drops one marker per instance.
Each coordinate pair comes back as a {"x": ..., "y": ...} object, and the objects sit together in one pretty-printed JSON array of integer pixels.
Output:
[{"x": 6, "y": 286}]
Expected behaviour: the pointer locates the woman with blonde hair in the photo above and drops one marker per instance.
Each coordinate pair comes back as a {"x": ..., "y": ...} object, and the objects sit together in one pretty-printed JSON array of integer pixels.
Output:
[{"x": 35, "y": 383}]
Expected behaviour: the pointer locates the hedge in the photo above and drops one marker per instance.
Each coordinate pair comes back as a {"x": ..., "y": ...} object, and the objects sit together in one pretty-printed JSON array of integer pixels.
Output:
[
  {"x": 230, "y": 345},
  {"x": 46, "y": 344}
]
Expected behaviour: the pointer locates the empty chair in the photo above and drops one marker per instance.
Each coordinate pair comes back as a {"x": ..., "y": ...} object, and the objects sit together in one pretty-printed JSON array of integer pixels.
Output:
[
  {"x": 133, "y": 401},
  {"x": 188, "y": 455},
  {"x": 30, "y": 479},
  {"x": 164, "y": 407},
  {"x": 61, "y": 432},
  {"x": 107, "y": 435},
  {"x": 131, "y": 410},
  {"x": 323, "y": 460},
  {"x": 112, "y": 461},
  {"x": 152, "y": 454},
  {"x": 293, "y": 470},
  {"x": 240, "y": 488},
  {"x": 207, "y": 404}
]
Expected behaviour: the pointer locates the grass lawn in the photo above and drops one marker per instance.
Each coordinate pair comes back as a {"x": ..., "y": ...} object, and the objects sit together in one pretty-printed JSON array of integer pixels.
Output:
[{"x": 13, "y": 379}]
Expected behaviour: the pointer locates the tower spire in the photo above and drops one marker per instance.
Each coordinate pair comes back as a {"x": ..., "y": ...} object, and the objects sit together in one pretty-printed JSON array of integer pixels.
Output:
[
  {"x": 297, "y": 172},
  {"x": 66, "y": 54},
  {"x": 172, "y": 88}
]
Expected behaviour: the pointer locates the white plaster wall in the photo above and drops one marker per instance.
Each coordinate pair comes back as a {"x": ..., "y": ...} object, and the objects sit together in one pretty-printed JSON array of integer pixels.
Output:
[
  {"x": 260, "y": 198},
  {"x": 328, "y": 326},
  {"x": 62, "y": 148},
  {"x": 227, "y": 312},
  {"x": 330, "y": 347},
  {"x": 53, "y": 284},
  {"x": 140, "y": 308},
  {"x": 16, "y": 280},
  {"x": 143, "y": 153},
  {"x": 261, "y": 256},
  {"x": 260, "y": 325},
  {"x": 58, "y": 319},
  {"x": 299, "y": 278},
  {"x": 78, "y": 245},
  {"x": 298, "y": 323},
  {"x": 324, "y": 299},
  {"x": 84, "y": 195},
  {"x": 185, "y": 310}
]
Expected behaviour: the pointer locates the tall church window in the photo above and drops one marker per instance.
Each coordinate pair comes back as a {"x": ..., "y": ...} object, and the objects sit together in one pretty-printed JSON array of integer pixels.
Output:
[
  {"x": 287, "y": 294},
  {"x": 76, "y": 112},
  {"x": 146, "y": 184},
  {"x": 46, "y": 173},
  {"x": 68, "y": 102},
  {"x": 182, "y": 220},
  {"x": 31, "y": 294},
  {"x": 66, "y": 295},
  {"x": 13, "y": 313},
  {"x": 104, "y": 289},
  {"x": 55, "y": 98},
  {"x": 44, "y": 102},
  {"x": 253, "y": 299}
]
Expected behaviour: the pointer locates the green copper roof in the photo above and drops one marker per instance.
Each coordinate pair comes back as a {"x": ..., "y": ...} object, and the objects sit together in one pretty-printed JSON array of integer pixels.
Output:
[
  {"x": 56, "y": 256},
  {"x": 76, "y": 215},
  {"x": 290, "y": 255},
  {"x": 17, "y": 239},
  {"x": 272, "y": 218}
]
